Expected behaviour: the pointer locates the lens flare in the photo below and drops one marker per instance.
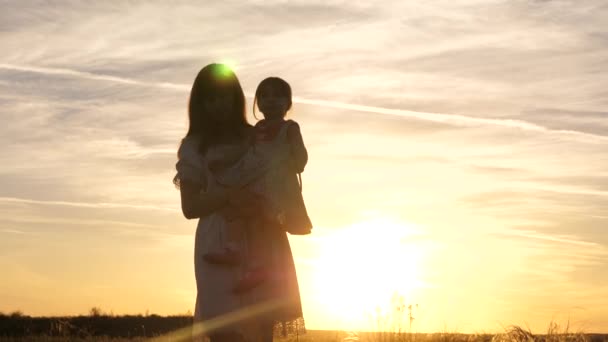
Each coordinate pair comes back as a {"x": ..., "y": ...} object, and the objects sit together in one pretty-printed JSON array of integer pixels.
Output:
[{"x": 226, "y": 68}]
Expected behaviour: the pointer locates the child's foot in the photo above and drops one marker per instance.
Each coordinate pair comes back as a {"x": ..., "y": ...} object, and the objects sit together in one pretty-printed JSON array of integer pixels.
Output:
[
  {"x": 251, "y": 279},
  {"x": 227, "y": 257}
]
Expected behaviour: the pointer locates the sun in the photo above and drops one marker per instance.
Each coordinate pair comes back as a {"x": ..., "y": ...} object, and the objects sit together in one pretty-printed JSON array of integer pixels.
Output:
[{"x": 362, "y": 267}]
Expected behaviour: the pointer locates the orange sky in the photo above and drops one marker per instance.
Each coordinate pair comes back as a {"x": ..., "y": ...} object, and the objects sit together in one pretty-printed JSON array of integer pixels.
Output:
[{"x": 457, "y": 161}]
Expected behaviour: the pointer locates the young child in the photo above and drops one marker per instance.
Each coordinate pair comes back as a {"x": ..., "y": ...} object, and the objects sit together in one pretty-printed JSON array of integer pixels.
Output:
[{"x": 269, "y": 169}]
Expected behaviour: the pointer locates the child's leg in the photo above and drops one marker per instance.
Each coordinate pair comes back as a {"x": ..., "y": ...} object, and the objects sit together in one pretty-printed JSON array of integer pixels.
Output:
[
  {"x": 257, "y": 270},
  {"x": 234, "y": 232},
  {"x": 231, "y": 254},
  {"x": 257, "y": 243}
]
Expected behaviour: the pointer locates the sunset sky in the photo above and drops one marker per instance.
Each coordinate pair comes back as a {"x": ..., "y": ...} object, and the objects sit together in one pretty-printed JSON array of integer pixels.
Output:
[{"x": 458, "y": 154}]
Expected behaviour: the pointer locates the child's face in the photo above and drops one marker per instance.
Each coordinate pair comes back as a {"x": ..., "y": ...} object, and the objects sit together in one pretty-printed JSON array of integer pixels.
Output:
[
  {"x": 273, "y": 104},
  {"x": 219, "y": 106}
]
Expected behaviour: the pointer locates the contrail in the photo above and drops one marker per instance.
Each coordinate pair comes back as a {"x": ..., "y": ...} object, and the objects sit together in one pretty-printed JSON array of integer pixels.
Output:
[
  {"x": 14, "y": 231},
  {"x": 100, "y": 205},
  {"x": 450, "y": 119},
  {"x": 81, "y": 222},
  {"x": 541, "y": 236},
  {"x": 562, "y": 189},
  {"x": 93, "y": 76},
  {"x": 456, "y": 119}
]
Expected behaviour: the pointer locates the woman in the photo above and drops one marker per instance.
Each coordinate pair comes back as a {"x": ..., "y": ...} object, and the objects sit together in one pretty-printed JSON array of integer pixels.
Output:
[{"x": 218, "y": 133}]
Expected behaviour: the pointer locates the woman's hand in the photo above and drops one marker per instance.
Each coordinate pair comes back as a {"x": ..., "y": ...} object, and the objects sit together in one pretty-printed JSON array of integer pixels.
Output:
[
  {"x": 244, "y": 202},
  {"x": 198, "y": 203}
]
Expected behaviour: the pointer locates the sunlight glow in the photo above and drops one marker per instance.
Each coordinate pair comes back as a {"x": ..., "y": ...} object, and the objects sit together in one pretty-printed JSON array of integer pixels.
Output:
[
  {"x": 230, "y": 64},
  {"x": 361, "y": 268}
]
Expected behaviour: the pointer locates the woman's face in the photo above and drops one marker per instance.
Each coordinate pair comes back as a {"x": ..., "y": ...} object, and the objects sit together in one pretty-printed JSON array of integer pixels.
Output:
[
  {"x": 272, "y": 103},
  {"x": 219, "y": 107}
]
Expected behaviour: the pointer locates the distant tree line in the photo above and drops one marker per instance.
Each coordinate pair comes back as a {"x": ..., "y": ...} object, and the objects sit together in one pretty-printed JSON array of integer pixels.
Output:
[{"x": 16, "y": 324}]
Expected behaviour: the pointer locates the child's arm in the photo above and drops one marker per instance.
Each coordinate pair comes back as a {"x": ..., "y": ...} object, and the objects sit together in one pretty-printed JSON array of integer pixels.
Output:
[{"x": 299, "y": 155}]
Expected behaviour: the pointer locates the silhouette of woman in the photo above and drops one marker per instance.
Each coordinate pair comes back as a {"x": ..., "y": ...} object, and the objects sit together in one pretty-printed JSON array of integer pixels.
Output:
[{"x": 218, "y": 130}]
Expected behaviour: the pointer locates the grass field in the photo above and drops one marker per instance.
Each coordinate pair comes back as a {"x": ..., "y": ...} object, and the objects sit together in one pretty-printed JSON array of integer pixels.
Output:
[
  {"x": 512, "y": 334},
  {"x": 100, "y": 327}
]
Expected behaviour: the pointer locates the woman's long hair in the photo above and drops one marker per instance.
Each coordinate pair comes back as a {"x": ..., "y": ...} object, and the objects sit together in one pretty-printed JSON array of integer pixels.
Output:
[{"x": 216, "y": 80}]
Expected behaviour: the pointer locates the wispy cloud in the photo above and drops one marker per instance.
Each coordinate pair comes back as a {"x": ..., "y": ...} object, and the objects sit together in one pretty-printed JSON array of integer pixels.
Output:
[
  {"x": 92, "y": 76},
  {"x": 481, "y": 121},
  {"x": 452, "y": 119},
  {"x": 14, "y": 231},
  {"x": 87, "y": 205},
  {"x": 456, "y": 119},
  {"x": 548, "y": 237}
]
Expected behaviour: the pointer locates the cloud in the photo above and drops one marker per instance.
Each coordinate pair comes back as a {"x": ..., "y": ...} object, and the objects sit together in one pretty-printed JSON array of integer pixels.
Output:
[
  {"x": 456, "y": 119},
  {"x": 95, "y": 77},
  {"x": 14, "y": 231},
  {"x": 567, "y": 239},
  {"x": 453, "y": 119},
  {"x": 481, "y": 121},
  {"x": 87, "y": 205}
]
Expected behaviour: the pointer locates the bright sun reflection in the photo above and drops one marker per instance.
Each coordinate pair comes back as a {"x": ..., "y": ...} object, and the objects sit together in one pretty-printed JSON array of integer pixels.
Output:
[{"x": 361, "y": 267}]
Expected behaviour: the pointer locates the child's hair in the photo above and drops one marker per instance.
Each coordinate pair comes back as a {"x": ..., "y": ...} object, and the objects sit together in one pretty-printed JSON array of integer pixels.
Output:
[{"x": 279, "y": 85}]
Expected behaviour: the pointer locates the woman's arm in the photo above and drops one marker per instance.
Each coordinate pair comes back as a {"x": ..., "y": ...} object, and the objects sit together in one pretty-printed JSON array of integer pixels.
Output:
[
  {"x": 299, "y": 155},
  {"x": 197, "y": 204}
]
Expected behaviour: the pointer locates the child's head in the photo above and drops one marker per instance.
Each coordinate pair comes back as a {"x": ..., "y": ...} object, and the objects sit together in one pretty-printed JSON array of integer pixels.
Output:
[{"x": 273, "y": 98}]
